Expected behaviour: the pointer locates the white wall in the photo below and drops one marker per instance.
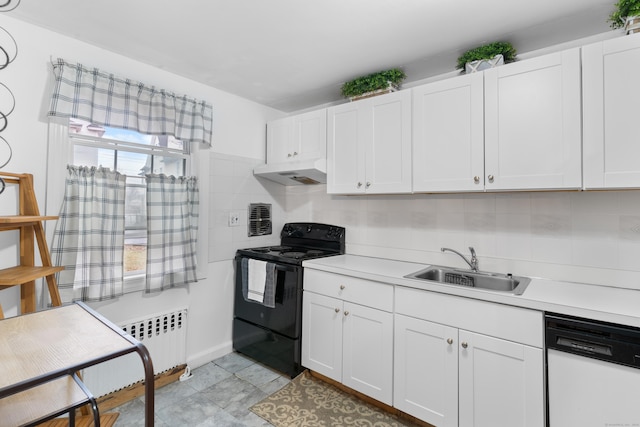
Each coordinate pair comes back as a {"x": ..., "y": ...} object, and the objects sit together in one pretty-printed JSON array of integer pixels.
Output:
[
  {"x": 239, "y": 132},
  {"x": 232, "y": 188}
]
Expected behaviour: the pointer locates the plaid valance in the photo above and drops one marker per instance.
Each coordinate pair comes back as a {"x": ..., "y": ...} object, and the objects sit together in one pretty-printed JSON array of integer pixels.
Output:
[{"x": 102, "y": 98}]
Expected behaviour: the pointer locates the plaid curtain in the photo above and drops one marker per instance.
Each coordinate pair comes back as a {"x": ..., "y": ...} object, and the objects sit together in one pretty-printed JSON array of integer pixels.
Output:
[
  {"x": 172, "y": 227},
  {"x": 89, "y": 236},
  {"x": 101, "y": 98}
]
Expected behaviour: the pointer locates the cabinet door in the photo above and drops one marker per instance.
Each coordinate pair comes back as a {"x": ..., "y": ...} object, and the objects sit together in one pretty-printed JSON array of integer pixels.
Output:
[
  {"x": 387, "y": 133},
  {"x": 310, "y": 135},
  {"x": 610, "y": 103},
  {"x": 533, "y": 124},
  {"x": 448, "y": 135},
  {"x": 279, "y": 140},
  {"x": 367, "y": 348},
  {"x": 322, "y": 334},
  {"x": 426, "y": 370},
  {"x": 501, "y": 383},
  {"x": 345, "y": 149}
]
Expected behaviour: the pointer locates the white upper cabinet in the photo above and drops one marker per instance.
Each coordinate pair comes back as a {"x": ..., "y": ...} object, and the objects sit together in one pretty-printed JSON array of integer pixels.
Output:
[
  {"x": 369, "y": 145},
  {"x": 611, "y": 111},
  {"x": 514, "y": 127},
  {"x": 345, "y": 150},
  {"x": 299, "y": 137},
  {"x": 533, "y": 123},
  {"x": 448, "y": 135}
]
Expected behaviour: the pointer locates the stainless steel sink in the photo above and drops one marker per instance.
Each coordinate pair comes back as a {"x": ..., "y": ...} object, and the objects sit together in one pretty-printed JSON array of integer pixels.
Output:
[{"x": 473, "y": 279}]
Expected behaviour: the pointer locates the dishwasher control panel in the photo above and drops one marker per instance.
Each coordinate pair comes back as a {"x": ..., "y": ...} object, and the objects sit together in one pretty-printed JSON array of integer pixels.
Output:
[{"x": 599, "y": 340}]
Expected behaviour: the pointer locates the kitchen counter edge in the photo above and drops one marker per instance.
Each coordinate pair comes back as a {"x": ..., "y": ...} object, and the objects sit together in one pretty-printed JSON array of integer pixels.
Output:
[{"x": 603, "y": 303}]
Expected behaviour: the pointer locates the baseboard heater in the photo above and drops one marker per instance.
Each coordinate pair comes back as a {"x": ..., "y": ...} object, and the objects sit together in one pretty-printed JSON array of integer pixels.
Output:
[{"x": 165, "y": 337}]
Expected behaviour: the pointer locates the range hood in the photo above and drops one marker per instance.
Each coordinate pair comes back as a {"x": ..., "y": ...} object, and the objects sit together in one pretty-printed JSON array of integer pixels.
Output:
[{"x": 301, "y": 172}]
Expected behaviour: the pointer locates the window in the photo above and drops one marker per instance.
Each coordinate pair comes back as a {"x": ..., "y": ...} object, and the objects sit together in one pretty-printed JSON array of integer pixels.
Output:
[{"x": 134, "y": 155}]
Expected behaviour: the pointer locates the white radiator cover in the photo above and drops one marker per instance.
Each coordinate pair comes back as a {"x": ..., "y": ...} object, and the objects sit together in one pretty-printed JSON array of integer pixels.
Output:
[{"x": 164, "y": 335}]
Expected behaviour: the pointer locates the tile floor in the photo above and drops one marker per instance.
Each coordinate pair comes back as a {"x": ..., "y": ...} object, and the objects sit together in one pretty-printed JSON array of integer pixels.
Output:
[{"x": 220, "y": 393}]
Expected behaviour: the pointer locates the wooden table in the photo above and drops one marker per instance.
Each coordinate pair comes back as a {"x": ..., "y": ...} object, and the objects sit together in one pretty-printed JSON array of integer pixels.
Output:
[{"x": 40, "y": 352}]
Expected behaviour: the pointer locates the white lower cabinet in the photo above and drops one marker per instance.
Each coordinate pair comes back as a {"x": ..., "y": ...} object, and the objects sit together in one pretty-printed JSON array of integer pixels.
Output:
[
  {"x": 348, "y": 342},
  {"x": 426, "y": 371},
  {"x": 447, "y": 360},
  {"x": 322, "y": 334},
  {"x": 449, "y": 376},
  {"x": 500, "y": 382}
]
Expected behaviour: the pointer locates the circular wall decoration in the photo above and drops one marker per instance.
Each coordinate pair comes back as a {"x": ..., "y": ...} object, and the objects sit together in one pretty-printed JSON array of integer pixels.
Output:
[
  {"x": 5, "y": 152},
  {"x": 8, "y": 52},
  {"x": 8, "y": 48},
  {"x": 7, "y": 101},
  {"x": 8, "y": 5}
]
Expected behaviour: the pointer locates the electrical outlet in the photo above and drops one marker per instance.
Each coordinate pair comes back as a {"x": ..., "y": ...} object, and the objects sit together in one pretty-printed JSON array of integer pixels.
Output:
[{"x": 234, "y": 219}]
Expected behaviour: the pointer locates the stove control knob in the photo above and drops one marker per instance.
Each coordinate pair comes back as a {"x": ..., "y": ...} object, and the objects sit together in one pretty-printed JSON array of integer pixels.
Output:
[{"x": 309, "y": 228}]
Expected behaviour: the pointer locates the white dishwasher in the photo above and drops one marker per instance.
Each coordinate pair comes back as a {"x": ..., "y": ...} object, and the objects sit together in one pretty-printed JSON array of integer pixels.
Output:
[{"x": 593, "y": 373}]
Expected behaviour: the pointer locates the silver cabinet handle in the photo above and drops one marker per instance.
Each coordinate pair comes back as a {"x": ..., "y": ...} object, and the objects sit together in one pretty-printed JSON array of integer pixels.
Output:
[
  {"x": 449, "y": 341},
  {"x": 337, "y": 310},
  {"x": 476, "y": 179},
  {"x": 346, "y": 313},
  {"x": 368, "y": 184},
  {"x": 359, "y": 184},
  {"x": 464, "y": 345},
  {"x": 490, "y": 178},
  {"x": 342, "y": 287}
]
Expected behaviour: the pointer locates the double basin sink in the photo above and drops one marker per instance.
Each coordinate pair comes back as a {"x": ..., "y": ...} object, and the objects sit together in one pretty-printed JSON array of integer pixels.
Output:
[{"x": 473, "y": 279}]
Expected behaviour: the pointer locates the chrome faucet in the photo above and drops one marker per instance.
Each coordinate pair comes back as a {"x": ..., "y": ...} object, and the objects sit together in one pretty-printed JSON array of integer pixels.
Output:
[{"x": 473, "y": 263}]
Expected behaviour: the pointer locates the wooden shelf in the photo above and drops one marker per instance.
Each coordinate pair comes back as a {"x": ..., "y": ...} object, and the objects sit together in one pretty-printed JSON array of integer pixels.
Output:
[
  {"x": 39, "y": 403},
  {"x": 29, "y": 224},
  {"x": 20, "y": 274},
  {"x": 25, "y": 219},
  {"x": 15, "y": 222}
]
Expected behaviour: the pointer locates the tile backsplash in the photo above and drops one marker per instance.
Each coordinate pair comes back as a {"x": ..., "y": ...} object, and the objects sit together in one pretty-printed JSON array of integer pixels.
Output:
[
  {"x": 581, "y": 236},
  {"x": 584, "y": 236}
]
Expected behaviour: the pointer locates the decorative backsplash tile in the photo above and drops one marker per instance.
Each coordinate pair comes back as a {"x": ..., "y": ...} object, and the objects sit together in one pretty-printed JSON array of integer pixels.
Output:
[
  {"x": 557, "y": 232},
  {"x": 560, "y": 232}
]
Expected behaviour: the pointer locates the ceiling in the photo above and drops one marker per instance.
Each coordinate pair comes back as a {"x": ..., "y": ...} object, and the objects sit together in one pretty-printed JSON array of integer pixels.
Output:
[{"x": 295, "y": 54}]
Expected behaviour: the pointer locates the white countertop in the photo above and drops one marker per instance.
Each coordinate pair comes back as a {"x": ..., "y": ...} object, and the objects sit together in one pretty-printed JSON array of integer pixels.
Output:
[{"x": 577, "y": 299}]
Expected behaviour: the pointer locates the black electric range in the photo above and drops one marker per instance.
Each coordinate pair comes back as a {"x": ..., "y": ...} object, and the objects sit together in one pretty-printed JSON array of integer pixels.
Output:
[
  {"x": 271, "y": 335},
  {"x": 301, "y": 241}
]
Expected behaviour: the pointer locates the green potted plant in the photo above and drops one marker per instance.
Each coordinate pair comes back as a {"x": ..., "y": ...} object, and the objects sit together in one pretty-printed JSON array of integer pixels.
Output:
[
  {"x": 373, "y": 84},
  {"x": 626, "y": 15},
  {"x": 486, "y": 56}
]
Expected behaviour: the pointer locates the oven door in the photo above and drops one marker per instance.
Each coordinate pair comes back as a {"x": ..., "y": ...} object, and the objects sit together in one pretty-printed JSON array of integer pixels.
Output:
[{"x": 285, "y": 317}]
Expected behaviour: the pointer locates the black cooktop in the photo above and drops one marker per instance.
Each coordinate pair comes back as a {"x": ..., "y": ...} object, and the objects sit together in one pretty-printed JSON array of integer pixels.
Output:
[{"x": 301, "y": 241}]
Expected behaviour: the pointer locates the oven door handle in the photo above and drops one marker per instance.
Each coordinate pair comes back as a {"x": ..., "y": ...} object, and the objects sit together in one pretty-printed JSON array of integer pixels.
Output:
[{"x": 281, "y": 267}]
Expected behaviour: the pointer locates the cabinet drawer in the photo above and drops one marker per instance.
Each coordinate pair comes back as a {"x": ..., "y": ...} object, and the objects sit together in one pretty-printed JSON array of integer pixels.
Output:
[
  {"x": 364, "y": 292},
  {"x": 502, "y": 321}
]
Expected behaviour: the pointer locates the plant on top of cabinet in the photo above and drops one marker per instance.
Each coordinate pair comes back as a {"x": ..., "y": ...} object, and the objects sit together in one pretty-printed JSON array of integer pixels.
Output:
[
  {"x": 486, "y": 56},
  {"x": 373, "y": 84},
  {"x": 626, "y": 15}
]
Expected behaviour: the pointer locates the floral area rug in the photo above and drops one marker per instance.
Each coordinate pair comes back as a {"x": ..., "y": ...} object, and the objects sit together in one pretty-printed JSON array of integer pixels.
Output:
[{"x": 309, "y": 402}]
